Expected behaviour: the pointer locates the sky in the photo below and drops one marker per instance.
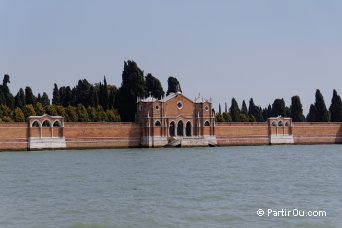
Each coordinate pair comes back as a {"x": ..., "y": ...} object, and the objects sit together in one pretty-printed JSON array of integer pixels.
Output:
[{"x": 263, "y": 49}]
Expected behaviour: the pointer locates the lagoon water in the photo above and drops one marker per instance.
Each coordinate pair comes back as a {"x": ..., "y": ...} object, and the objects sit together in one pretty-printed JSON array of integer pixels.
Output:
[{"x": 196, "y": 187}]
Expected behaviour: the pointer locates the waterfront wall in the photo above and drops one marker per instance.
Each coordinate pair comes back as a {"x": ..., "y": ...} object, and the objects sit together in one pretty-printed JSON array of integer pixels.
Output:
[{"x": 15, "y": 136}]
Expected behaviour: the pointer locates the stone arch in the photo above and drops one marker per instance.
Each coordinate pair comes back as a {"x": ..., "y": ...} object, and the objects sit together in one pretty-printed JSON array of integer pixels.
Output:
[
  {"x": 273, "y": 124},
  {"x": 57, "y": 123},
  {"x": 180, "y": 128},
  {"x": 206, "y": 123},
  {"x": 157, "y": 123},
  {"x": 46, "y": 123},
  {"x": 280, "y": 124},
  {"x": 36, "y": 123},
  {"x": 287, "y": 123},
  {"x": 188, "y": 129},
  {"x": 172, "y": 128}
]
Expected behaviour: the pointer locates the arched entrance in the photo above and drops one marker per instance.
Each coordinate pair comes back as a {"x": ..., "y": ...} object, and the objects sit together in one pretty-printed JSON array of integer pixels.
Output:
[
  {"x": 180, "y": 127},
  {"x": 172, "y": 129},
  {"x": 188, "y": 129}
]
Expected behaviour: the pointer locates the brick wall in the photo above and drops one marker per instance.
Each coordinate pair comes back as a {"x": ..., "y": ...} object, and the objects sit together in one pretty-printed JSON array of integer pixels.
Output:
[
  {"x": 241, "y": 133},
  {"x": 13, "y": 136}
]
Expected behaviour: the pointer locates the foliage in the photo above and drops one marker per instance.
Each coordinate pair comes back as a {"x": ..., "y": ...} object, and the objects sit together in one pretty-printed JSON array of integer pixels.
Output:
[
  {"x": 322, "y": 114},
  {"x": 19, "y": 115},
  {"x": 154, "y": 86},
  {"x": 226, "y": 117},
  {"x": 296, "y": 110},
  {"x": 335, "y": 108},
  {"x": 173, "y": 85},
  {"x": 278, "y": 108},
  {"x": 219, "y": 118},
  {"x": 235, "y": 111},
  {"x": 255, "y": 111},
  {"x": 28, "y": 110}
]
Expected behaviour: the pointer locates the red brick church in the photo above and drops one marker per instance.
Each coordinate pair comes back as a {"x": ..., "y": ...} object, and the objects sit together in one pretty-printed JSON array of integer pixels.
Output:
[{"x": 176, "y": 120}]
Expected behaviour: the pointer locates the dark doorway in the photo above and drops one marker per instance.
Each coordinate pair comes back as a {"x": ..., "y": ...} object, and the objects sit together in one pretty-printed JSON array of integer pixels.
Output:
[
  {"x": 172, "y": 129},
  {"x": 188, "y": 129},
  {"x": 180, "y": 127}
]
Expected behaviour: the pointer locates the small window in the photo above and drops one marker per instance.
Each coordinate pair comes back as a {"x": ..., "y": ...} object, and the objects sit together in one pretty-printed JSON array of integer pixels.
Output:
[
  {"x": 206, "y": 108},
  {"x": 157, "y": 123},
  {"x": 207, "y": 124},
  {"x": 157, "y": 107},
  {"x": 287, "y": 124},
  {"x": 179, "y": 105},
  {"x": 35, "y": 124},
  {"x": 140, "y": 107},
  {"x": 273, "y": 124},
  {"x": 280, "y": 124}
]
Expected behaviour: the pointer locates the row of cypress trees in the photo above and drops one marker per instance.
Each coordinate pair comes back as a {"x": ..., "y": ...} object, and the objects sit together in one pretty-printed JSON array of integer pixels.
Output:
[
  {"x": 108, "y": 101},
  {"x": 318, "y": 111}
]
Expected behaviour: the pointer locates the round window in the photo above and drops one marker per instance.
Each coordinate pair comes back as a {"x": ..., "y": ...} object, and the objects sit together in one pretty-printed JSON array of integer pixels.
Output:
[
  {"x": 157, "y": 107},
  {"x": 179, "y": 105}
]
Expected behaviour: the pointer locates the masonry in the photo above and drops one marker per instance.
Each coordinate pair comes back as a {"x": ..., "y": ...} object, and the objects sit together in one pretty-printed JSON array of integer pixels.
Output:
[{"x": 174, "y": 120}]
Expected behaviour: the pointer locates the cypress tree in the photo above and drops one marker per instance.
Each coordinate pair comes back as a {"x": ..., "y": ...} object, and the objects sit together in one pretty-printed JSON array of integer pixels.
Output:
[
  {"x": 83, "y": 92},
  {"x": 296, "y": 110},
  {"x": 244, "y": 107},
  {"x": 278, "y": 108},
  {"x": 311, "y": 117},
  {"x": 45, "y": 100},
  {"x": 235, "y": 111},
  {"x": 7, "y": 95},
  {"x": 103, "y": 94},
  {"x": 322, "y": 114},
  {"x": 220, "y": 109},
  {"x": 39, "y": 98},
  {"x": 113, "y": 92},
  {"x": 20, "y": 99},
  {"x": 68, "y": 97},
  {"x": 255, "y": 111},
  {"x": 94, "y": 99},
  {"x": 154, "y": 86},
  {"x": 29, "y": 97},
  {"x": 336, "y": 108},
  {"x": 173, "y": 85},
  {"x": 225, "y": 107},
  {"x": 55, "y": 95},
  {"x": 132, "y": 87}
]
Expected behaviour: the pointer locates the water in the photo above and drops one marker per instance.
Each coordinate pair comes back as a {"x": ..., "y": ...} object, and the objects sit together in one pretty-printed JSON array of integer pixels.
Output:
[{"x": 197, "y": 187}]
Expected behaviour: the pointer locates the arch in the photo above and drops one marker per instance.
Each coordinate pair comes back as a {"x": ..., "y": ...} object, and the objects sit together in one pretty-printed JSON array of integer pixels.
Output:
[
  {"x": 273, "y": 124},
  {"x": 157, "y": 123},
  {"x": 172, "y": 128},
  {"x": 287, "y": 123},
  {"x": 188, "y": 129},
  {"x": 180, "y": 128},
  {"x": 46, "y": 123},
  {"x": 36, "y": 123},
  {"x": 57, "y": 123},
  {"x": 206, "y": 123},
  {"x": 280, "y": 124}
]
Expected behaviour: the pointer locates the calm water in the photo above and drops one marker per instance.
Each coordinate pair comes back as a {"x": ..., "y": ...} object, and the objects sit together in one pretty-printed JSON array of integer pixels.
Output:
[{"x": 198, "y": 187}]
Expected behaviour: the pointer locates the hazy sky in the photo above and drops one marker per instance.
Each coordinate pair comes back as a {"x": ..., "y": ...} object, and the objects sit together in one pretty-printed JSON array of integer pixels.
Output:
[{"x": 221, "y": 49}]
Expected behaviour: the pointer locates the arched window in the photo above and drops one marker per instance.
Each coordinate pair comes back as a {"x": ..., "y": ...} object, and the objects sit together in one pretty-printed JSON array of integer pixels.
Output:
[
  {"x": 35, "y": 124},
  {"x": 280, "y": 124},
  {"x": 172, "y": 129},
  {"x": 46, "y": 123},
  {"x": 273, "y": 124},
  {"x": 180, "y": 127},
  {"x": 57, "y": 123},
  {"x": 287, "y": 123},
  {"x": 157, "y": 123},
  {"x": 188, "y": 129},
  {"x": 207, "y": 124}
]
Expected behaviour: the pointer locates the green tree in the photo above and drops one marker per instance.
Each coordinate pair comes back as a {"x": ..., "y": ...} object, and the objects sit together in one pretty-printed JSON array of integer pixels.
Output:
[
  {"x": 113, "y": 93},
  {"x": 219, "y": 118},
  {"x": 45, "y": 100},
  {"x": 61, "y": 111},
  {"x": 94, "y": 98},
  {"x": 154, "y": 86},
  {"x": 101, "y": 115},
  {"x": 226, "y": 117},
  {"x": 336, "y": 108},
  {"x": 28, "y": 111},
  {"x": 39, "y": 109},
  {"x": 6, "y": 93},
  {"x": 56, "y": 100},
  {"x": 322, "y": 114},
  {"x": 311, "y": 117},
  {"x": 278, "y": 107},
  {"x": 103, "y": 94},
  {"x": 244, "y": 107},
  {"x": 19, "y": 115},
  {"x": 244, "y": 117},
  {"x": 267, "y": 112},
  {"x": 5, "y": 112},
  {"x": 220, "y": 112},
  {"x": 83, "y": 92},
  {"x": 255, "y": 111},
  {"x": 29, "y": 97},
  {"x": 112, "y": 115},
  {"x": 20, "y": 99},
  {"x": 71, "y": 114},
  {"x": 132, "y": 87},
  {"x": 51, "y": 110},
  {"x": 296, "y": 110},
  {"x": 235, "y": 111},
  {"x": 82, "y": 113},
  {"x": 91, "y": 114},
  {"x": 173, "y": 85}
]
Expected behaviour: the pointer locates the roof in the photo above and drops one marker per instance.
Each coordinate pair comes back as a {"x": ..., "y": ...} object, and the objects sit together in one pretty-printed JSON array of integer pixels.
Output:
[{"x": 171, "y": 96}]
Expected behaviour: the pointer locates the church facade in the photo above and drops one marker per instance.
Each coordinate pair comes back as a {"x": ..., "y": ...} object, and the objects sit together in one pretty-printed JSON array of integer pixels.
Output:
[{"x": 176, "y": 120}]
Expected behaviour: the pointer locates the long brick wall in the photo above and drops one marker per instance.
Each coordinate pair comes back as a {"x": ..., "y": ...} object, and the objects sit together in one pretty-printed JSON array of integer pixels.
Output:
[
  {"x": 102, "y": 135},
  {"x": 14, "y": 136},
  {"x": 241, "y": 134}
]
